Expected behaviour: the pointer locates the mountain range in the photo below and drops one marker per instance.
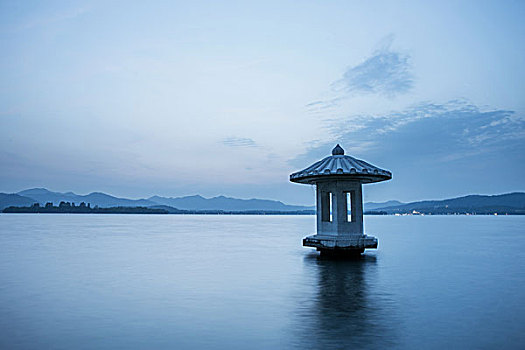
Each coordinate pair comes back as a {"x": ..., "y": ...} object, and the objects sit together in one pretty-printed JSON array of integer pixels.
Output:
[
  {"x": 378, "y": 205},
  {"x": 102, "y": 200},
  {"x": 512, "y": 203}
]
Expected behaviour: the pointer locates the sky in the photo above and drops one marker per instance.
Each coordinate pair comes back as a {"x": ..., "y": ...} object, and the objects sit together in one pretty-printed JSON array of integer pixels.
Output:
[{"x": 229, "y": 97}]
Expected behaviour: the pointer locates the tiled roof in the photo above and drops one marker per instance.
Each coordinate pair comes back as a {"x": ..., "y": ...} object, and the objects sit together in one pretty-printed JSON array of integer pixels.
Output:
[{"x": 343, "y": 167}]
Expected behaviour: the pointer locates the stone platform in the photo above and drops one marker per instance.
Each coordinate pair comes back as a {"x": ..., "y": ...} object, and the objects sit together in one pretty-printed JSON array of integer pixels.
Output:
[{"x": 340, "y": 245}]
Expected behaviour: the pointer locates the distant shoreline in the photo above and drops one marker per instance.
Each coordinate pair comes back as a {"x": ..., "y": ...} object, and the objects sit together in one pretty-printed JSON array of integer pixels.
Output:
[
  {"x": 36, "y": 209},
  {"x": 98, "y": 202}
]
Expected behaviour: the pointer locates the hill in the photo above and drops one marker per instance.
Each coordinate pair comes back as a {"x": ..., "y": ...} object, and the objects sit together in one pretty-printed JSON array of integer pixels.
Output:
[
  {"x": 374, "y": 205},
  {"x": 225, "y": 203},
  {"x": 12, "y": 199},
  {"x": 510, "y": 203},
  {"x": 43, "y": 196},
  {"x": 192, "y": 203}
]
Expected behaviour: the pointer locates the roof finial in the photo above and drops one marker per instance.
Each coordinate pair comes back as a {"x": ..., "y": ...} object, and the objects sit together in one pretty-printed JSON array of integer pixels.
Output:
[{"x": 338, "y": 151}]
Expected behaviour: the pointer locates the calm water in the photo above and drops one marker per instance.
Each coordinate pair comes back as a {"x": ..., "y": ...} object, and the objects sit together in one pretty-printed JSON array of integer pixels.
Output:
[{"x": 237, "y": 282}]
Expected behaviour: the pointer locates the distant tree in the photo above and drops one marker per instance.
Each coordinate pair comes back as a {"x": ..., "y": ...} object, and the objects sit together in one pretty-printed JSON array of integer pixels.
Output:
[
  {"x": 36, "y": 205},
  {"x": 89, "y": 205},
  {"x": 49, "y": 205},
  {"x": 82, "y": 205}
]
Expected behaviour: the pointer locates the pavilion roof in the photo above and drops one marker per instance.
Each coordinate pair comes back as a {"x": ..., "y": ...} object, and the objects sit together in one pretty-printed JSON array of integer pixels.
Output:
[{"x": 340, "y": 166}]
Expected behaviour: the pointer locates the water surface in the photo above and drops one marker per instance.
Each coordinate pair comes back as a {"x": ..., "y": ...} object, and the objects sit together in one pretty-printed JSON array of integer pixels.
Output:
[{"x": 215, "y": 282}]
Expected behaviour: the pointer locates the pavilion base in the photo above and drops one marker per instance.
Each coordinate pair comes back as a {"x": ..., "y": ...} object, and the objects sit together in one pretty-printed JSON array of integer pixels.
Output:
[{"x": 340, "y": 245}]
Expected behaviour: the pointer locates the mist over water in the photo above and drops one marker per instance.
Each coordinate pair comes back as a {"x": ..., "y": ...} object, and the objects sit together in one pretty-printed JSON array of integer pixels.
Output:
[{"x": 170, "y": 281}]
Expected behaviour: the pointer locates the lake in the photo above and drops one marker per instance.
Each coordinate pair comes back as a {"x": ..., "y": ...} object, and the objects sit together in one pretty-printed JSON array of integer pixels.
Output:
[{"x": 246, "y": 282}]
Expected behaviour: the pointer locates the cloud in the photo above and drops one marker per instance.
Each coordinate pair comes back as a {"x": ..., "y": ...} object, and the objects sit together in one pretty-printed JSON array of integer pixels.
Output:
[
  {"x": 386, "y": 72},
  {"x": 239, "y": 142},
  {"x": 441, "y": 132}
]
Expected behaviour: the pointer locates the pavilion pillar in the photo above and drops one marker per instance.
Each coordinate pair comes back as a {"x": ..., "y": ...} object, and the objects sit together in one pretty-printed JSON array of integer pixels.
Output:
[{"x": 332, "y": 208}]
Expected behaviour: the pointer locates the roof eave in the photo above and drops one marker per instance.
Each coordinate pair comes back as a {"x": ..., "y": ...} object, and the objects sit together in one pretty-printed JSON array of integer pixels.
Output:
[{"x": 363, "y": 178}]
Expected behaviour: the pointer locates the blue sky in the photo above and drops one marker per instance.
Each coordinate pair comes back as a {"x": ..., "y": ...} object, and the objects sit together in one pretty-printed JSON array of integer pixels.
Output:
[{"x": 228, "y": 98}]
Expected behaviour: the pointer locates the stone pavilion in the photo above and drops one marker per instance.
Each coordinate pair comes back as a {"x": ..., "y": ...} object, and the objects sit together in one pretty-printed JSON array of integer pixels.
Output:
[{"x": 338, "y": 180}]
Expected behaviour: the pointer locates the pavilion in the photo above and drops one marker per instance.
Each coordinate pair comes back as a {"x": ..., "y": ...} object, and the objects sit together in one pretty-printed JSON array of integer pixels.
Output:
[{"x": 338, "y": 179}]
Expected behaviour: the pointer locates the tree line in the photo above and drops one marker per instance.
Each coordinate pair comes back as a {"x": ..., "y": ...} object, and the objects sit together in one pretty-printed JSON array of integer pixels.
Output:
[{"x": 82, "y": 208}]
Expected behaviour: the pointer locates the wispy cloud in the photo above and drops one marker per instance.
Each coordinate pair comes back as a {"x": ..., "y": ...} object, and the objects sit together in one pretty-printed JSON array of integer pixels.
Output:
[
  {"x": 386, "y": 73},
  {"x": 239, "y": 142},
  {"x": 441, "y": 132}
]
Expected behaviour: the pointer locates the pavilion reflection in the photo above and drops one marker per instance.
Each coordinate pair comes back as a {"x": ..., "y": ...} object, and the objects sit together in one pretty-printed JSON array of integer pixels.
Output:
[{"x": 345, "y": 311}]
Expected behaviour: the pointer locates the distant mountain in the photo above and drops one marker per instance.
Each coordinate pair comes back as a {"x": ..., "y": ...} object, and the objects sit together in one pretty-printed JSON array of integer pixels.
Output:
[
  {"x": 42, "y": 196},
  {"x": 105, "y": 200},
  {"x": 169, "y": 209},
  {"x": 225, "y": 203},
  {"x": 12, "y": 199},
  {"x": 512, "y": 203},
  {"x": 172, "y": 210},
  {"x": 374, "y": 205}
]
